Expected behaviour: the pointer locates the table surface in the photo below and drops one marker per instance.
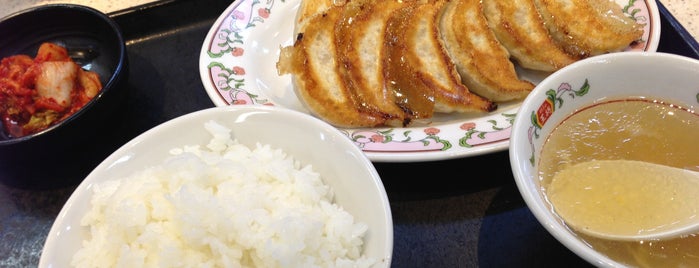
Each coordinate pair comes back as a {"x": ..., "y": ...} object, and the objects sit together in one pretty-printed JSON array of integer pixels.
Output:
[
  {"x": 461, "y": 215},
  {"x": 685, "y": 11}
]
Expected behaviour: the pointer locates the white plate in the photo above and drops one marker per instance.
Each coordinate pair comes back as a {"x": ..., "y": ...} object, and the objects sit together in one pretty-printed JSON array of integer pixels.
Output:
[{"x": 238, "y": 67}]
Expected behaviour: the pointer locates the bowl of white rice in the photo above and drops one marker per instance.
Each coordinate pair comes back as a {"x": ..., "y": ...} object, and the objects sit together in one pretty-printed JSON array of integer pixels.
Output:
[{"x": 234, "y": 186}]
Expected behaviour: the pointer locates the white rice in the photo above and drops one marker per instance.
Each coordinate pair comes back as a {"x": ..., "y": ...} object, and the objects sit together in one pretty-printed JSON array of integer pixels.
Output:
[{"x": 224, "y": 205}]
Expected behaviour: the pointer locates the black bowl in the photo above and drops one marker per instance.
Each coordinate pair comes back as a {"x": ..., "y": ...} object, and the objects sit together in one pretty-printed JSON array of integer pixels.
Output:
[{"x": 64, "y": 153}]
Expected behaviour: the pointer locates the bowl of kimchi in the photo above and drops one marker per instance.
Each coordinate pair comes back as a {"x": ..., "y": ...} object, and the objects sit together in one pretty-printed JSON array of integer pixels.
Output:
[{"x": 62, "y": 72}]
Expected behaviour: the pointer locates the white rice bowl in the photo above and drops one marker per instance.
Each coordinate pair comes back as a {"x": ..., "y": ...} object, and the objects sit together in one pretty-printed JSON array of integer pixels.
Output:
[{"x": 244, "y": 191}]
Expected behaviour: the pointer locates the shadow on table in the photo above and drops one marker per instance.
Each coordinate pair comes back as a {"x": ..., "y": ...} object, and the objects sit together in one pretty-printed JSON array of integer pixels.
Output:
[{"x": 466, "y": 213}]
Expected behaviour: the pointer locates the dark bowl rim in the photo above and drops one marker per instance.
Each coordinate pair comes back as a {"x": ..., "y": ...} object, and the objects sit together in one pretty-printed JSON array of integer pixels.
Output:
[{"x": 113, "y": 79}]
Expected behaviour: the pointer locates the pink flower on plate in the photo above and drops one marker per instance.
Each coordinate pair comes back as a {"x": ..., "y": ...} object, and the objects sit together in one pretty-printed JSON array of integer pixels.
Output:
[
  {"x": 263, "y": 12},
  {"x": 240, "y": 97},
  {"x": 237, "y": 70},
  {"x": 468, "y": 126},
  {"x": 237, "y": 51},
  {"x": 431, "y": 131},
  {"x": 238, "y": 14},
  {"x": 377, "y": 138}
]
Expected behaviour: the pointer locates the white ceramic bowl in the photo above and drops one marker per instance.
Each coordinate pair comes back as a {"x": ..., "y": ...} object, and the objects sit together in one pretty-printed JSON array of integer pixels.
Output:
[
  {"x": 618, "y": 75},
  {"x": 342, "y": 165}
]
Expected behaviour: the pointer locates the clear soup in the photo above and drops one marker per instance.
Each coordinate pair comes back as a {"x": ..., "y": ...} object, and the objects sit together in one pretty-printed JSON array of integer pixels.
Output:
[{"x": 633, "y": 129}]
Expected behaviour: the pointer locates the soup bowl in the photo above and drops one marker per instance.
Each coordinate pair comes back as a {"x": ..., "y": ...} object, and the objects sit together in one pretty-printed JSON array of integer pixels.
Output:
[{"x": 541, "y": 145}]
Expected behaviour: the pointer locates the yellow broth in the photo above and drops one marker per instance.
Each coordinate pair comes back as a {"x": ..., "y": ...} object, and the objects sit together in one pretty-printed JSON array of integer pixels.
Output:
[{"x": 633, "y": 129}]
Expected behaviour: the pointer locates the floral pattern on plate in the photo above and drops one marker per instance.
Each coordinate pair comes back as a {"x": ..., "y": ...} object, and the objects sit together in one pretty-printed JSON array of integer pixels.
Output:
[{"x": 238, "y": 67}]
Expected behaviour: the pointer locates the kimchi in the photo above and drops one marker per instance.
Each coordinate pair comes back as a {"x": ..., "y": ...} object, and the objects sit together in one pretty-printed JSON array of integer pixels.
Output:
[{"x": 36, "y": 93}]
